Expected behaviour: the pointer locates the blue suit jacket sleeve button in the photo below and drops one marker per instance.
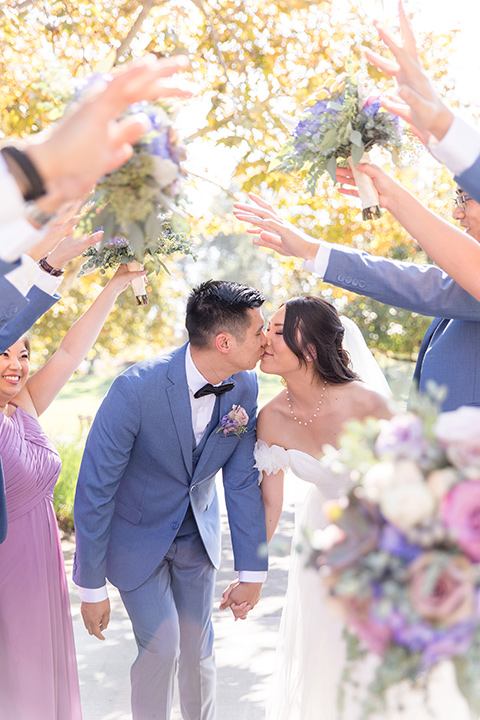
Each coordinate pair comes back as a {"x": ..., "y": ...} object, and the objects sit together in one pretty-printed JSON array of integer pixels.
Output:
[
  {"x": 341, "y": 277},
  {"x": 354, "y": 283},
  {"x": 361, "y": 283},
  {"x": 348, "y": 279}
]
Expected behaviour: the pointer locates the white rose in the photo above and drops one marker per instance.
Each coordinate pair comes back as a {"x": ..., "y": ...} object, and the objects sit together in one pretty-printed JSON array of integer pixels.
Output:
[
  {"x": 377, "y": 479},
  {"x": 459, "y": 425},
  {"x": 407, "y": 504},
  {"x": 165, "y": 171},
  {"x": 440, "y": 481}
]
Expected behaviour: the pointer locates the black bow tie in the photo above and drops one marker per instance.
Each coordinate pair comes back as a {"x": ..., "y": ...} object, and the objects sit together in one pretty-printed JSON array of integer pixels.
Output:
[{"x": 212, "y": 390}]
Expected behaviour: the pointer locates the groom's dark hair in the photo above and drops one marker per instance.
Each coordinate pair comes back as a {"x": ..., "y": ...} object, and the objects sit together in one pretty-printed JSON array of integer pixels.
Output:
[{"x": 219, "y": 306}]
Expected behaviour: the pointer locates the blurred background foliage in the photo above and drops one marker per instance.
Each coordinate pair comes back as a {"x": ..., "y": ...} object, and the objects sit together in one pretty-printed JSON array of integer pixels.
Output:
[{"x": 253, "y": 63}]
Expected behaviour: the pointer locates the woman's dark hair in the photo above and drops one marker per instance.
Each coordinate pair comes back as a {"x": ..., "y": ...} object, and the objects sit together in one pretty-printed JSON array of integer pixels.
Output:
[
  {"x": 312, "y": 327},
  {"x": 26, "y": 342},
  {"x": 219, "y": 306}
]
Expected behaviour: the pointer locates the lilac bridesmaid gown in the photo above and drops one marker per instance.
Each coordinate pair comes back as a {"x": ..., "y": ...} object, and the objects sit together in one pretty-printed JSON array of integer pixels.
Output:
[{"x": 38, "y": 669}]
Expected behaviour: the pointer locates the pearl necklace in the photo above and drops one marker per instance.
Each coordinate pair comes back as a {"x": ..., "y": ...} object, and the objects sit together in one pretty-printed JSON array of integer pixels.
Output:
[{"x": 314, "y": 414}]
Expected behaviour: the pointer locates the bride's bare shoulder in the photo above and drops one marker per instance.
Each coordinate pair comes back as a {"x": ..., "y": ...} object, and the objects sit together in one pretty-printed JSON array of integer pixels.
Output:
[
  {"x": 269, "y": 419},
  {"x": 365, "y": 401}
]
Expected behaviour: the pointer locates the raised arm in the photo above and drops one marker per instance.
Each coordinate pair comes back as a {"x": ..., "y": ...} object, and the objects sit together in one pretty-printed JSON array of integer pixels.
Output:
[
  {"x": 451, "y": 248},
  {"x": 44, "y": 385},
  {"x": 418, "y": 103}
]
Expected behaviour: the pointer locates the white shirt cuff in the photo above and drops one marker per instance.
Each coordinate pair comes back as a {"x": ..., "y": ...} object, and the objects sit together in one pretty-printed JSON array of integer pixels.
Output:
[
  {"x": 16, "y": 237},
  {"x": 319, "y": 265},
  {"x": 459, "y": 148},
  {"x": 92, "y": 595},
  {"x": 23, "y": 276},
  {"x": 46, "y": 282},
  {"x": 252, "y": 576}
]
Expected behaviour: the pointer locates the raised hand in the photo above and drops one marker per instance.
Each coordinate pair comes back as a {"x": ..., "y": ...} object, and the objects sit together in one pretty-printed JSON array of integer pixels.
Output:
[
  {"x": 418, "y": 102},
  {"x": 90, "y": 140},
  {"x": 385, "y": 186},
  {"x": 272, "y": 231}
]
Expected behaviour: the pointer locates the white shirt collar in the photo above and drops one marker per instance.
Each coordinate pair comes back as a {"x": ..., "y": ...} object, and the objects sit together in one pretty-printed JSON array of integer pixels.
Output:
[{"x": 195, "y": 379}]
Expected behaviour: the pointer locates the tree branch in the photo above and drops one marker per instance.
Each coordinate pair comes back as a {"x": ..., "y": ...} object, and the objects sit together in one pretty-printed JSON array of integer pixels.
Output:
[
  {"x": 199, "y": 4},
  {"x": 212, "y": 182},
  {"x": 147, "y": 6}
]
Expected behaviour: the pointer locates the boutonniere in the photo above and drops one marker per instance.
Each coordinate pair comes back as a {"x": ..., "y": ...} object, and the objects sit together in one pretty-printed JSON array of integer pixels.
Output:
[{"x": 234, "y": 421}]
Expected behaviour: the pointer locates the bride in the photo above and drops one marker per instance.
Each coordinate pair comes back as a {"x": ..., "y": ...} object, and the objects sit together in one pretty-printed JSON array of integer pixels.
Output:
[{"x": 306, "y": 346}]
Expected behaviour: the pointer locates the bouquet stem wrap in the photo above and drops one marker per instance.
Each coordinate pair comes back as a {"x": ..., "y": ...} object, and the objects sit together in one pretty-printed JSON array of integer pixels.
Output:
[
  {"x": 139, "y": 284},
  {"x": 366, "y": 190}
]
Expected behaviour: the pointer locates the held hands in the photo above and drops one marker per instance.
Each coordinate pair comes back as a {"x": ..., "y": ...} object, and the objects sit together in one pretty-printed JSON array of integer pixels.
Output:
[
  {"x": 241, "y": 597},
  {"x": 422, "y": 107},
  {"x": 96, "y": 617},
  {"x": 272, "y": 231}
]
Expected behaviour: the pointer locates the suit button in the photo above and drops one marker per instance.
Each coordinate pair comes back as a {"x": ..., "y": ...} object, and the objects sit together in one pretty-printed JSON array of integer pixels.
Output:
[
  {"x": 354, "y": 283},
  {"x": 8, "y": 314},
  {"x": 361, "y": 283},
  {"x": 341, "y": 277},
  {"x": 348, "y": 279},
  {"x": 175, "y": 525},
  {"x": 194, "y": 487}
]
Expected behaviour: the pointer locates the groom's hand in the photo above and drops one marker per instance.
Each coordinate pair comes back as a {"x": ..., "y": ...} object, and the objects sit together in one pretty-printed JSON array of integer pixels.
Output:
[
  {"x": 241, "y": 597},
  {"x": 96, "y": 617}
]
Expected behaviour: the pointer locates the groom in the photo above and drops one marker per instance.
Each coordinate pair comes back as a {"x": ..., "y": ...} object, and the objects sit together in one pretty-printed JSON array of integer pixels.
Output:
[{"x": 146, "y": 508}]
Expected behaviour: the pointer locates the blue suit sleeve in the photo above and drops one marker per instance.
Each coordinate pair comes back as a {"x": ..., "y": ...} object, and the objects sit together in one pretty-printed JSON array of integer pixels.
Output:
[
  {"x": 107, "y": 453},
  {"x": 470, "y": 180},
  {"x": 243, "y": 497},
  {"x": 19, "y": 313},
  {"x": 424, "y": 289}
]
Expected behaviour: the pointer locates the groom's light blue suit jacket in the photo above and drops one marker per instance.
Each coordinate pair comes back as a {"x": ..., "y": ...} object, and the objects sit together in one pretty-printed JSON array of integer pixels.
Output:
[
  {"x": 138, "y": 477},
  {"x": 17, "y": 315},
  {"x": 450, "y": 352}
]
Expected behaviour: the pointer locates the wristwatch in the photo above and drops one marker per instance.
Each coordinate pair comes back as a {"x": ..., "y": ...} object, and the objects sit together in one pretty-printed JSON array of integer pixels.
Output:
[
  {"x": 35, "y": 215},
  {"x": 45, "y": 265}
]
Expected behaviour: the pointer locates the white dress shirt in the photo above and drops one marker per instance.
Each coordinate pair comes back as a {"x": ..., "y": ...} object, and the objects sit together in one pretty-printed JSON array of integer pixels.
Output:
[
  {"x": 320, "y": 264},
  {"x": 28, "y": 274},
  {"x": 17, "y": 234},
  {"x": 459, "y": 148},
  {"x": 202, "y": 409}
]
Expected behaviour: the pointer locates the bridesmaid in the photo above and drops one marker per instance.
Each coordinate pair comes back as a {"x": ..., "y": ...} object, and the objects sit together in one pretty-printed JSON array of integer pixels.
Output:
[{"x": 38, "y": 671}]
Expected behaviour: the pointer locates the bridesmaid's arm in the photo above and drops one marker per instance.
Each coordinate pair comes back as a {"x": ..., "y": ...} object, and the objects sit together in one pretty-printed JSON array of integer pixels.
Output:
[{"x": 42, "y": 387}]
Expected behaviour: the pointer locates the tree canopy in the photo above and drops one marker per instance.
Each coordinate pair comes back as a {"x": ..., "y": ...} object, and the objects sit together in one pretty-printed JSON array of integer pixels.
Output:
[{"x": 253, "y": 62}]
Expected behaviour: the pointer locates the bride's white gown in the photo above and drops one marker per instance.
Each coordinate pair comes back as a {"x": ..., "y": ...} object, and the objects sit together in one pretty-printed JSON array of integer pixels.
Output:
[{"x": 311, "y": 654}]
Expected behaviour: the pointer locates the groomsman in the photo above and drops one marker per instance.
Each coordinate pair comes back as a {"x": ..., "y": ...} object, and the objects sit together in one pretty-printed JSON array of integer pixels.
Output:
[{"x": 450, "y": 350}]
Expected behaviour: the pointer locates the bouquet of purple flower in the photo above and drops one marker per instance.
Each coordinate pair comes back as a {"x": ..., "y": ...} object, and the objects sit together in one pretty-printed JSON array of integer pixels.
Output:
[
  {"x": 138, "y": 205},
  {"x": 401, "y": 558},
  {"x": 340, "y": 129}
]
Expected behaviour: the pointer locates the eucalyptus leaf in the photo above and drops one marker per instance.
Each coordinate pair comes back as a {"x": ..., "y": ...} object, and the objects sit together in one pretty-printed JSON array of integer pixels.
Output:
[
  {"x": 136, "y": 238},
  {"x": 332, "y": 168},
  {"x": 356, "y": 138},
  {"x": 108, "y": 227},
  {"x": 357, "y": 153}
]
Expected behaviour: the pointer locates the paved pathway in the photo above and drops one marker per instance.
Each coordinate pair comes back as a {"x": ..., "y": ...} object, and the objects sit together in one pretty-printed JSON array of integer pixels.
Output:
[{"x": 244, "y": 650}]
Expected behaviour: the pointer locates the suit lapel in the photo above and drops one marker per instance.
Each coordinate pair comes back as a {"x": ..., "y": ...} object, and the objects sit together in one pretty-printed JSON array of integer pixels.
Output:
[
  {"x": 179, "y": 399},
  {"x": 424, "y": 347}
]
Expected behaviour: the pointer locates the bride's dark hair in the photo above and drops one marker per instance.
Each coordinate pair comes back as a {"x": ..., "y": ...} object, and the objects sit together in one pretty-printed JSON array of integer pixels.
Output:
[{"x": 312, "y": 327}]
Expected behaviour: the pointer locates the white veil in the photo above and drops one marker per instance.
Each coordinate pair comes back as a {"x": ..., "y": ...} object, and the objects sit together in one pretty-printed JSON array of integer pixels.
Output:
[{"x": 362, "y": 360}]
